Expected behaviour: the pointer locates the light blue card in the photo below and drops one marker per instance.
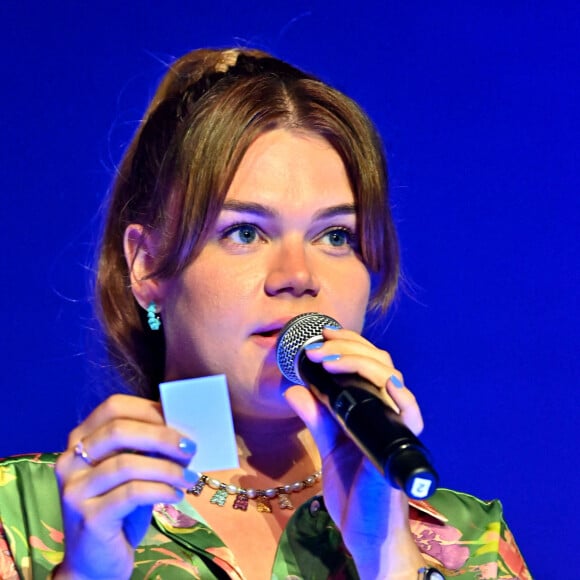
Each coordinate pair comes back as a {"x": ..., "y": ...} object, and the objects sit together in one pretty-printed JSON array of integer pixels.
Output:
[{"x": 200, "y": 409}]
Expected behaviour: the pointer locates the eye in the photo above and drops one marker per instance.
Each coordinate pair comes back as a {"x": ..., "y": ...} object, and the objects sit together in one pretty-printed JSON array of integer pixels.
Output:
[
  {"x": 338, "y": 237},
  {"x": 242, "y": 234}
]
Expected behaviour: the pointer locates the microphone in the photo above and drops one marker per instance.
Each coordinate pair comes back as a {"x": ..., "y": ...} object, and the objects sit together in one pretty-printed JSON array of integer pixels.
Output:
[{"x": 352, "y": 400}]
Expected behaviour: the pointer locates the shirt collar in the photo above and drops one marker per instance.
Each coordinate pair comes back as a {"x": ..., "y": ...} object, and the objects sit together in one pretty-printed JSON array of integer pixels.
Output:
[{"x": 426, "y": 508}]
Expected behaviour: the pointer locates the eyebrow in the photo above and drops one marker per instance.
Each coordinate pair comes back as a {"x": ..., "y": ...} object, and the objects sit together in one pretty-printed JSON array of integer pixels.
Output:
[{"x": 260, "y": 210}]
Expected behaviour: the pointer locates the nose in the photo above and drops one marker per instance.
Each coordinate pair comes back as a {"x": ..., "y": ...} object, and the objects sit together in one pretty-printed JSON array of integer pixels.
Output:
[{"x": 291, "y": 272}]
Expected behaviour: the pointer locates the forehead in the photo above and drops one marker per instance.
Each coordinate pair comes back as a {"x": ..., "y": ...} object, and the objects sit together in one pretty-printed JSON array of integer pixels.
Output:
[{"x": 294, "y": 166}]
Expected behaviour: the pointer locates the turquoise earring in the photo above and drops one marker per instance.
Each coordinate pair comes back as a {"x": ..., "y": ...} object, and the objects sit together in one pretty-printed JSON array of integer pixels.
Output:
[{"x": 153, "y": 319}]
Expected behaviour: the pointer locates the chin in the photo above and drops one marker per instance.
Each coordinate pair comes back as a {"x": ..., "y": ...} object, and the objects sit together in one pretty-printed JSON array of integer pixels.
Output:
[{"x": 268, "y": 404}]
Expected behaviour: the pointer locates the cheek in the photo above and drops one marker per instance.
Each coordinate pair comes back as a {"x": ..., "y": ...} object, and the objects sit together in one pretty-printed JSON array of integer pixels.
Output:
[
  {"x": 351, "y": 301},
  {"x": 362, "y": 305},
  {"x": 213, "y": 295}
]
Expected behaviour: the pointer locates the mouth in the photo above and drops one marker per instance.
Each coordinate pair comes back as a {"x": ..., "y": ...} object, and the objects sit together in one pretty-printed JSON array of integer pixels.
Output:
[
  {"x": 269, "y": 333},
  {"x": 267, "y": 338}
]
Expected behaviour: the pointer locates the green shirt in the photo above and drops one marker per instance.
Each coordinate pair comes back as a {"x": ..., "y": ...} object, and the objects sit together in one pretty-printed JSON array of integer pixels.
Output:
[{"x": 462, "y": 536}]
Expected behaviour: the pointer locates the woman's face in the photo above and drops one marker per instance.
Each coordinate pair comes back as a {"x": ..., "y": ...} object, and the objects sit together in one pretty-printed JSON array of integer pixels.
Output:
[{"x": 284, "y": 244}]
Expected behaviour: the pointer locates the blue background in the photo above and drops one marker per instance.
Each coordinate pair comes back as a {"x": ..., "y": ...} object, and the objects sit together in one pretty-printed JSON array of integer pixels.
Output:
[{"x": 478, "y": 106}]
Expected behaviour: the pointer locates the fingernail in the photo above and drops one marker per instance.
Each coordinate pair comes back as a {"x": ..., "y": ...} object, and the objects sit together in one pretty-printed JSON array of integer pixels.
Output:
[
  {"x": 396, "y": 381},
  {"x": 190, "y": 476},
  {"x": 178, "y": 494},
  {"x": 331, "y": 327},
  {"x": 331, "y": 357},
  {"x": 187, "y": 446},
  {"x": 313, "y": 346}
]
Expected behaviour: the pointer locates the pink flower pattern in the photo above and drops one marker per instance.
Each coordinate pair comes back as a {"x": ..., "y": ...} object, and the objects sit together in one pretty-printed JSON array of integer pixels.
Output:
[{"x": 441, "y": 542}]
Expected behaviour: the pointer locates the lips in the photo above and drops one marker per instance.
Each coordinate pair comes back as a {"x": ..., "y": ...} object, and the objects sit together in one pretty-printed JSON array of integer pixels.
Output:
[
  {"x": 270, "y": 331},
  {"x": 271, "y": 328},
  {"x": 267, "y": 337}
]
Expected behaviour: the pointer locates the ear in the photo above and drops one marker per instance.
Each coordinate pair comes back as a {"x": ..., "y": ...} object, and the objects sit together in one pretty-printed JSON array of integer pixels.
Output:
[{"x": 140, "y": 251}]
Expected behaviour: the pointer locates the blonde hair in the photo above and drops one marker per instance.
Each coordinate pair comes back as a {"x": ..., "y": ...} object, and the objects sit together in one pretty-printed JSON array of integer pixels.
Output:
[{"x": 210, "y": 106}]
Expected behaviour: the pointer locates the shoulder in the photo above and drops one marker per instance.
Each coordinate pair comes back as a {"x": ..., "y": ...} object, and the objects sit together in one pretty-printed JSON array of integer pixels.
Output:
[
  {"x": 29, "y": 458},
  {"x": 454, "y": 516},
  {"x": 33, "y": 467},
  {"x": 27, "y": 485},
  {"x": 461, "y": 507},
  {"x": 30, "y": 517},
  {"x": 461, "y": 533}
]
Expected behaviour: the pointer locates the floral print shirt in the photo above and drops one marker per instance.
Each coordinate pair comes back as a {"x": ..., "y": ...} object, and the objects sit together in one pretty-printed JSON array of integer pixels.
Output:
[{"x": 458, "y": 534}]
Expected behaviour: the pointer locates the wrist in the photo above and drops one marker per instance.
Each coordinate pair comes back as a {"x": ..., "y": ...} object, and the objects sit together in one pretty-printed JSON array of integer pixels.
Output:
[
  {"x": 393, "y": 553},
  {"x": 399, "y": 560}
]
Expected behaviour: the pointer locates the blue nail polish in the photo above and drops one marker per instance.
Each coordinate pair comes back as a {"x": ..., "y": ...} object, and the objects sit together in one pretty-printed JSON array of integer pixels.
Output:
[
  {"x": 187, "y": 446},
  {"x": 313, "y": 346},
  {"x": 331, "y": 327},
  {"x": 331, "y": 357},
  {"x": 191, "y": 476},
  {"x": 396, "y": 381}
]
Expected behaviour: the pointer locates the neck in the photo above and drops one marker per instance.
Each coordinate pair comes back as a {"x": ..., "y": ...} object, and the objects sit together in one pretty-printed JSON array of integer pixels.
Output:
[
  {"x": 272, "y": 455},
  {"x": 276, "y": 449}
]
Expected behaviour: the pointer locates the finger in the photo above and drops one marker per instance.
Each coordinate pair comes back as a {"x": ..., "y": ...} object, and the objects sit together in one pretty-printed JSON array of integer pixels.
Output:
[
  {"x": 356, "y": 343},
  {"x": 397, "y": 397},
  {"x": 104, "y": 514},
  {"x": 407, "y": 403},
  {"x": 97, "y": 448},
  {"x": 374, "y": 370},
  {"x": 345, "y": 342},
  {"x": 122, "y": 434},
  {"x": 121, "y": 469},
  {"x": 118, "y": 407},
  {"x": 119, "y": 502},
  {"x": 371, "y": 369}
]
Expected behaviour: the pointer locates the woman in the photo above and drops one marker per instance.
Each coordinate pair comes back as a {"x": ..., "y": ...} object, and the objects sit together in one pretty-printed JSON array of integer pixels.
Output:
[{"x": 251, "y": 193}]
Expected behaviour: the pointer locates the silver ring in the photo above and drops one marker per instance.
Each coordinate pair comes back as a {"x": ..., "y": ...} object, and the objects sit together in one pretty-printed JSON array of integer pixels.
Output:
[{"x": 81, "y": 452}]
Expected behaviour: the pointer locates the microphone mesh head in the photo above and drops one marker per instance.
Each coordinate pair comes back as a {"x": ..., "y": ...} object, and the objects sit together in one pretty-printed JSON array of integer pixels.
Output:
[{"x": 296, "y": 334}]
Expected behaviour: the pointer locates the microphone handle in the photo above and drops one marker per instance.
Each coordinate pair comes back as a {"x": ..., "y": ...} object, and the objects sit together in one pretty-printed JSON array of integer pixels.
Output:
[{"x": 376, "y": 428}]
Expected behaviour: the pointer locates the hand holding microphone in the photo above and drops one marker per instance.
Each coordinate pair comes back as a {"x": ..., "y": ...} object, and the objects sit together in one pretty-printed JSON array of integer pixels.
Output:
[{"x": 354, "y": 403}]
